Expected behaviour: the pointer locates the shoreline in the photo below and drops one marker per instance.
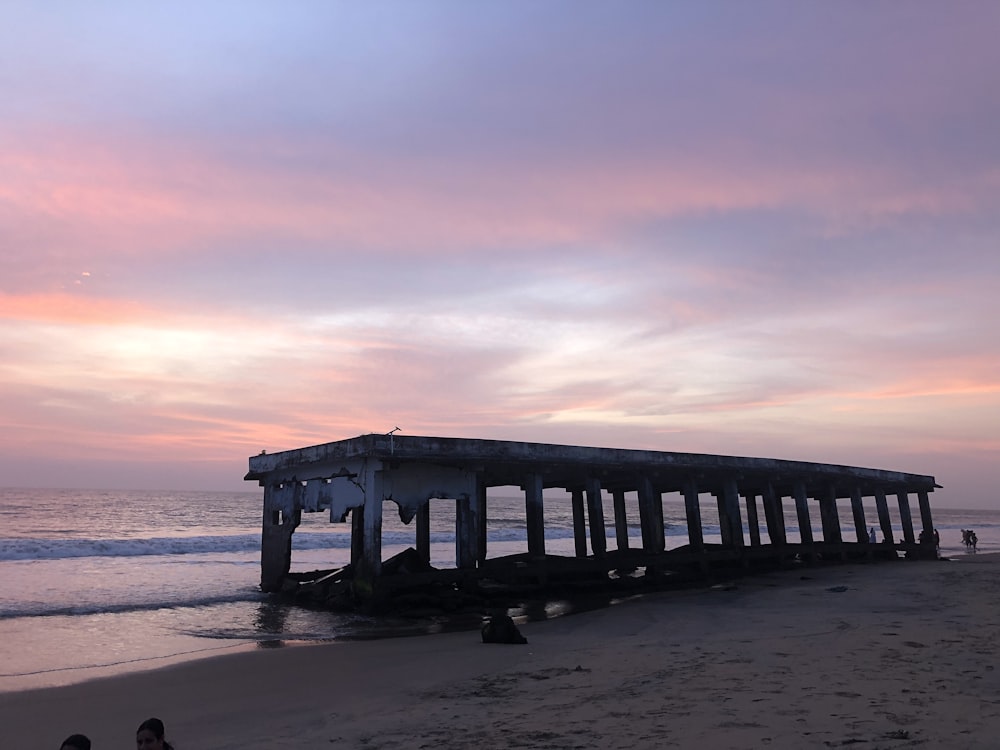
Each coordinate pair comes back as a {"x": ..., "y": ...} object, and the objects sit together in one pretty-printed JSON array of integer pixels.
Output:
[{"x": 873, "y": 655}]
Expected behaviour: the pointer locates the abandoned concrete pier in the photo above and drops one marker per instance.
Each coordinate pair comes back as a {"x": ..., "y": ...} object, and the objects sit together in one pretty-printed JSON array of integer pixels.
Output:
[{"x": 353, "y": 477}]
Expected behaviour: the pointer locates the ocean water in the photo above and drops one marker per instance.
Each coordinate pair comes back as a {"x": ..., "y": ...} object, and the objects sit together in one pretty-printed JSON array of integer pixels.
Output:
[{"x": 94, "y": 583}]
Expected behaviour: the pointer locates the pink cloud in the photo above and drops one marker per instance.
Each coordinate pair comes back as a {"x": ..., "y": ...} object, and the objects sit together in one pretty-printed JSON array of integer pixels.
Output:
[{"x": 134, "y": 196}]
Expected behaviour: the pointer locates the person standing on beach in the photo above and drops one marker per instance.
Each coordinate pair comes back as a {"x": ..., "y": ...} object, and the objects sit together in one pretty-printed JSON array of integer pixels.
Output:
[
  {"x": 149, "y": 736},
  {"x": 76, "y": 742},
  {"x": 871, "y": 535}
]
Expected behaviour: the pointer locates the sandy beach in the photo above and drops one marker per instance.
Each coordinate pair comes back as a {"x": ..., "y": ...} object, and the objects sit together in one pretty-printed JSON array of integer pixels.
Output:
[{"x": 862, "y": 656}]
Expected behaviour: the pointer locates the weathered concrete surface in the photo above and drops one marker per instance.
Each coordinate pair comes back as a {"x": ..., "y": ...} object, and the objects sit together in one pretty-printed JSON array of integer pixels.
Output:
[
  {"x": 355, "y": 475},
  {"x": 504, "y": 462}
]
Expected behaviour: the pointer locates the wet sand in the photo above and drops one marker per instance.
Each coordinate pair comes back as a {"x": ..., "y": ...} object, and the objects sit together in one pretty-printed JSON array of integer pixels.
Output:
[{"x": 887, "y": 655}]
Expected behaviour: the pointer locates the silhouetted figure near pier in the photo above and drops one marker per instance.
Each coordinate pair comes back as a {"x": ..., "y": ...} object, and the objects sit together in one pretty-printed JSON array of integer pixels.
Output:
[{"x": 970, "y": 540}]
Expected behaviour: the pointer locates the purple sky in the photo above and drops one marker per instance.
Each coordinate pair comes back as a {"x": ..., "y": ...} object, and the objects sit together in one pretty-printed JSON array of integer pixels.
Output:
[{"x": 765, "y": 229}]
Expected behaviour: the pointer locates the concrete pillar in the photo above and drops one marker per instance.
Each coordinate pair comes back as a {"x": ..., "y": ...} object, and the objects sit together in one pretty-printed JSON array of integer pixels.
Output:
[
  {"x": 753, "y": 524},
  {"x": 725, "y": 528},
  {"x": 579, "y": 523},
  {"x": 621, "y": 519},
  {"x": 731, "y": 502},
  {"x": 535, "y": 513},
  {"x": 925, "y": 516},
  {"x": 370, "y": 565},
  {"x": 904, "y": 516},
  {"x": 802, "y": 513},
  {"x": 595, "y": 514},
  {"x": 829, "y": 515},
  {"x": 858, "y": 511},
  {"x": 650, "y": 516},
  {"x": 423, "y": 520},
  {"x": 358, "y": 535},
  {"x": 774, "y": 515},
  {"x": 466, "y": 530},
  {"x": 884, "y": 522},
  {"x": 281, "y": 516},
  {"x": 692, "y": 511},
  {"x": 481, "y": 520}
]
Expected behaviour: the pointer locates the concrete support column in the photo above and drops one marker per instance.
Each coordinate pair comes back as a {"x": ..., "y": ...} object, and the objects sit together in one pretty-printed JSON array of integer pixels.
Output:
[
  {"x": 595, "y": 514},
  {"x": 884, "y": 522},
  {"x": 621, "y": 519},
  {"x": 466, "y": 531},
  {"x": 423, "y": 521},
  {"x": 858, "y": 511},
  {"x": 774, "y": 515},
  {"x": 579, "y": 523},
  {"x": 725, "y": 529},
  {"x": 753, "y": 524},
  {"x": 535, "y": 512},
  {"x": 358, "y": 535},
  {"x": 650, "y": 516},
  {"x": 829, "y": 515},
  {"x": 281, "y": 516},
  {"x": 731, "y": 503},
  {"x": 802, "y": 513},
  {"x": 692, "y": 511},
  {"x": 370, "y": 565},
  {"x": 481, "y": 529},
  {"x": 904, "y": 516},
  {"x": 925, "y": 516}
]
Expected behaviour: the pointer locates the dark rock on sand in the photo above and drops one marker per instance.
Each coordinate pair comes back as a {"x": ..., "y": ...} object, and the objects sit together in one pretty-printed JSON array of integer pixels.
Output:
[{"x": 501, "y": 629}]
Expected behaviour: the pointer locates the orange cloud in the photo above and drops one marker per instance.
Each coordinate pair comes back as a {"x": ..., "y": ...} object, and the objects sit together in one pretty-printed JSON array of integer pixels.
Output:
[{"x": 72, "y": 309}]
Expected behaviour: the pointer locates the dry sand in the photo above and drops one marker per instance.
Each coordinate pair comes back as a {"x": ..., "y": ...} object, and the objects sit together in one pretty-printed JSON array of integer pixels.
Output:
[{"x": 889, "y": 655}]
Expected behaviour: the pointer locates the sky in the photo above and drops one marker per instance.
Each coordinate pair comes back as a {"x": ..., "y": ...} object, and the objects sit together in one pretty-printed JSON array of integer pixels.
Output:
[{"x": 744, "y": 228}]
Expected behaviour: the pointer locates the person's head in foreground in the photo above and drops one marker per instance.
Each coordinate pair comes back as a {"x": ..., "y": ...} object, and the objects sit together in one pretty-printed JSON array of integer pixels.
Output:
[
  {"x": 76, "y": 742},
  {"x": 149, "y": 736}
]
